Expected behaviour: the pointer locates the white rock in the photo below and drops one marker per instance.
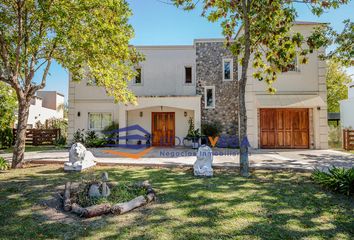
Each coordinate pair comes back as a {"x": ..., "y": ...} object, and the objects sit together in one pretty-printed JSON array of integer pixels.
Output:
[
  {"x": 105, "y": 190},
  {"x": 79, "y": 158},
  {"x": 203, "y": 165},
  {"x": 94, "y": 191}
]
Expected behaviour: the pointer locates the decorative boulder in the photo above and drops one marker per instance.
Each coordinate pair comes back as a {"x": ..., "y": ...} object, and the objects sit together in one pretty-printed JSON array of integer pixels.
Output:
[
  {"x": 79, "y": 158},
  {"x": 100, "y": 190},
  {"x": 203, "y": 165},
  {"x": 94, "y": 191}
]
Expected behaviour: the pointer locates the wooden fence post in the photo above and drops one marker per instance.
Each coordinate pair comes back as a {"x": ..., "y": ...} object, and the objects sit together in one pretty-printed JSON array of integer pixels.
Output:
[{"x": 345, "y": 139}]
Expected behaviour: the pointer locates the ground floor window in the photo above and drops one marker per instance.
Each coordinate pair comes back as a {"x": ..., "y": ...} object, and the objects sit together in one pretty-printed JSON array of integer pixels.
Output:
[{"x": 98, "y": 121}]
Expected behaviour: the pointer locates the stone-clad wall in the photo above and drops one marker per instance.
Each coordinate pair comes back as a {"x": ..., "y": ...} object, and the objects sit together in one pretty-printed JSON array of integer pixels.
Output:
[{"x": 209, "y": 73}]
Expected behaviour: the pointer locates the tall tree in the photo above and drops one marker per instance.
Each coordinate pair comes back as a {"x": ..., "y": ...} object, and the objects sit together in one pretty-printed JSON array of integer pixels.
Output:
[
  {"x": 265, "y": 34},
  {"x": 88, "y": 37},
  {"x": 8, "y": 105},
  {"x": 336, "y": 79}
]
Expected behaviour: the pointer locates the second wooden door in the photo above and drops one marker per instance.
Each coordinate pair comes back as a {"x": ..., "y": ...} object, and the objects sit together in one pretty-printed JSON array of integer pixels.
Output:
[{"x": 284, "y": 128}]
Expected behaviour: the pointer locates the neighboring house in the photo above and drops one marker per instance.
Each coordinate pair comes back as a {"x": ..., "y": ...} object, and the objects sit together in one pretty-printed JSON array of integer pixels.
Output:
[
  {"x": 46, "y": 105},
  {"x": 201, "y": 81},
  {"x": 346, "y": 108}
]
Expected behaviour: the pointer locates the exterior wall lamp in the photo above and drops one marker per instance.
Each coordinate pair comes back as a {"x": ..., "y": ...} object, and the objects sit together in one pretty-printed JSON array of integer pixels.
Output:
[
  {"x": 185, "y": 114},
  {"x": 78, "y": 114},
  {"x": 141, "y": 114}
]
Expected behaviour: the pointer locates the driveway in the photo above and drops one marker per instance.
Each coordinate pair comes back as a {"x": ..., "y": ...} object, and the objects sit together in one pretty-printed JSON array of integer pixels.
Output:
[{"x": 259, "y": 159}]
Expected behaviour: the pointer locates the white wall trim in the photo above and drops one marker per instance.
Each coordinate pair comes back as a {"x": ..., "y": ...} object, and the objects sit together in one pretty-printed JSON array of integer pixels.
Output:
[
  {"x": 142, "y": 77},
  {"x": 205, "y": 97},
  {"x": 231, "y": 69},
  {"x": 97, "y": 112}
]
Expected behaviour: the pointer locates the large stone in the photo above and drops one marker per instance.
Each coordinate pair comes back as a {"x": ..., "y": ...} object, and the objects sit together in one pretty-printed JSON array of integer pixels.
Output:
[
  {"x": 94, "y": 191},
  {"x": 203, "y": 164},
  {"x": 105, "y": 190},
  {"x": 79, "y": 158}
]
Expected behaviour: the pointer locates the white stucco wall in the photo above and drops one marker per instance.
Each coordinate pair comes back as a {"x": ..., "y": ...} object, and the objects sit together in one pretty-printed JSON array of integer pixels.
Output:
[
  {"x": 347, "y": 109},
  {"x": 39, "y": 113},
  {"x": 309, "y": 81},
  {"x": 163, "y": 75},
  {"x": 84, "y": 108},
  {"x": 181, "y": 122}
]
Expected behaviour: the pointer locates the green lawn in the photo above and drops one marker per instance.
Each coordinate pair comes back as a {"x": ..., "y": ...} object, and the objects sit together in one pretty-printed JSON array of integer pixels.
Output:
[{"x": 269, "y": 205}]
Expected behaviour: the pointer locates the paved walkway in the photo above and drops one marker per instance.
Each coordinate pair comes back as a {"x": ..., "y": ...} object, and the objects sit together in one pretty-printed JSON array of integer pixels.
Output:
[{"x": 260, "y": 159}]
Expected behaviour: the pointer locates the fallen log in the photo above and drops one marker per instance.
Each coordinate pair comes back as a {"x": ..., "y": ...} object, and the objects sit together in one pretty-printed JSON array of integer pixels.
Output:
[
  {"x": 97, "y": 210},
  {"x": 150, "y": 197},
  {"x": 76, "y": 208},
  {"x": 67, "y": 201},
  {"x": 122, "y": 208},
  {"x": 92, "y": 211}
]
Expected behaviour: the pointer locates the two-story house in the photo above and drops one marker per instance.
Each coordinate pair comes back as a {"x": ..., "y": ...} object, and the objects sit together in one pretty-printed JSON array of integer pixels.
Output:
[{"x": 200, "y": 81}]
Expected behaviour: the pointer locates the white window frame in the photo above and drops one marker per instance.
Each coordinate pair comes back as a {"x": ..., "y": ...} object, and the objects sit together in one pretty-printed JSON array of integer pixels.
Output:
[
  {"x": 297, "y": 66},
  {"x": 141, "y": 75},
  {"x": 95, "y": 112},
  {"x": 184, "y": 75},
  {"x": 231, "y": 69},
  {"x": 205, "y": 97}
]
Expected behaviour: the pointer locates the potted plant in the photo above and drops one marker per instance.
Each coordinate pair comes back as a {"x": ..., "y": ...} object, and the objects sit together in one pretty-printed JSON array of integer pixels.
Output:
[{"x": 194, "y": 136}]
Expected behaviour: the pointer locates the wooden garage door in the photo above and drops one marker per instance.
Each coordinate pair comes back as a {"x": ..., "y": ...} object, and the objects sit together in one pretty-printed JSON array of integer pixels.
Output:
[{"x": 284, "y": 128}]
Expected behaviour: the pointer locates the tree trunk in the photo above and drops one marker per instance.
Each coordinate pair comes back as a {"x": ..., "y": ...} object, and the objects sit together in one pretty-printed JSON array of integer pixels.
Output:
[
  {"x": 19, "y": 148},
  {"x": 244, "y": 162},
  {"x": 67, "y": 200}
]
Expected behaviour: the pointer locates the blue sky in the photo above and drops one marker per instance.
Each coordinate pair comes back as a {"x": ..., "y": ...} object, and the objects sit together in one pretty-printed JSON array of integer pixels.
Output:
[{"x": 156, "y": 23}]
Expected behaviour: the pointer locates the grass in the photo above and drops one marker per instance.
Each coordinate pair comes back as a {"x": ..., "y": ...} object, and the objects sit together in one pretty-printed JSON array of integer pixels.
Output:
[
  {"x": 122, "y": 192},
  {"x": 268, "y": 205},
  {"x": 30, "y": 148}
]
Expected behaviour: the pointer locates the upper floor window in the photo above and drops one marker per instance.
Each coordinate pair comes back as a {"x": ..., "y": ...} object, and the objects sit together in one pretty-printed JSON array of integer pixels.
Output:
[
  {"x": 91, "y": 82},
  {"x": 188, "y": 75},
  {"x": 292, "y": 67},
  {"x": 137, "y": 79},
  {"x": 98, "y": 121},
  {"x": 227, "y": 68},
  {"x": 209, "y": 96}
]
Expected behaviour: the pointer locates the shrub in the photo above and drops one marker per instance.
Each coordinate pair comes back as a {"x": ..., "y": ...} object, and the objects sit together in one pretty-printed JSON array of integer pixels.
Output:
[
  {"x": 79, "y": 136},
  {"x": 4, "y": 165},
  {"x": 92, "y": 139},
  {"x": 113, "y": 137},
  {"x": 211, "y": 129},
  {"x": 57, "y": 123},
  {"x": 336, "y": 179},
  {"x": 335, "y": 136},
  {"x": 61, "y": 141},
  {"x": 6, "y": 138}
]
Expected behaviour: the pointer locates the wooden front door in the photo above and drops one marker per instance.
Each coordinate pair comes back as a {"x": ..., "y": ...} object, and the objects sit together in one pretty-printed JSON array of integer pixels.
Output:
[
  {"x": 163, "y": 128},
  {"x": 284, "y": 128}
]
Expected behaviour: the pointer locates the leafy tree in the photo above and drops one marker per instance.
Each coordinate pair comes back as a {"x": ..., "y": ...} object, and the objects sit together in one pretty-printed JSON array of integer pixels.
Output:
[
  {"x": 336, "y": 79},
  {"x": 88, "y": 37},
  {"x": 342, "y": 43},
  {"x": 8, "y": 105},
  {"x": 265, "y": 33}
]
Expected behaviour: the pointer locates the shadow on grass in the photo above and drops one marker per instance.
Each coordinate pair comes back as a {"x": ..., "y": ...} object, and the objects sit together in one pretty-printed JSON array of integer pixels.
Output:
[{"x": 268, "y": 205}]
